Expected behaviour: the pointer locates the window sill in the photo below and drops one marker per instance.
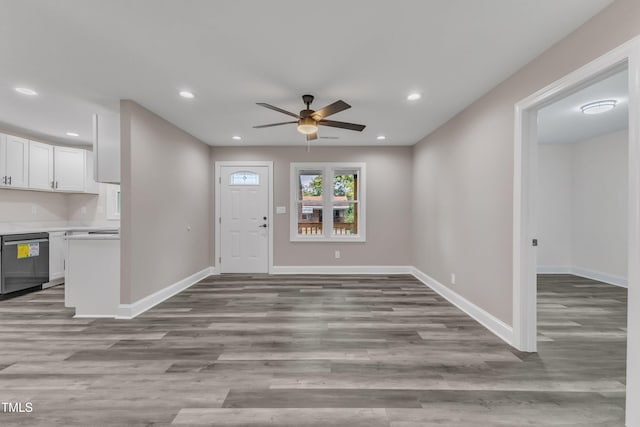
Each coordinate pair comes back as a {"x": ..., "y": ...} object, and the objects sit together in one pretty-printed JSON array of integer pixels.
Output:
[{"x": 322, "y": 239}]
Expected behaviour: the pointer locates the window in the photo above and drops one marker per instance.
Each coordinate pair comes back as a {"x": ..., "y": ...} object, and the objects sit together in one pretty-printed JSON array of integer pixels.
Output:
[
  {"x": 327, "y": 202},
  {"x": 113, "y": 201},
  {"x": 244, "y": 178}
]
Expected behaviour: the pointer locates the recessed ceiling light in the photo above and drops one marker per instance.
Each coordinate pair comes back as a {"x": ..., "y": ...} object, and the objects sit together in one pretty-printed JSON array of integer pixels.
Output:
[
  {"x": 72, "y": 134},
  {"x": 26, "y": 91},
  {"x": 381, "y": 137},
  {"x": 236, "y": 137},
  {"x": 599, "y": 107},
  {"x": 414, "y": 96},
  {"x": 187, "y": 94}
]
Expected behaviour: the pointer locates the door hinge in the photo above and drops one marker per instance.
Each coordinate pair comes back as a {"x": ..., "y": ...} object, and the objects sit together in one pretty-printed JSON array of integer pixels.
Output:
[
  {"x": 219, "y": 180},
  {"x": 534, "y": 242},
  {"x": 219, "y": 220},
  {"x": 219, "y": 260}
]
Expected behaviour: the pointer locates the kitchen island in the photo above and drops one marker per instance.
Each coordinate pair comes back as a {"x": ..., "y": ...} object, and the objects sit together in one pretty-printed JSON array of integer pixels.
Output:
[{"x": 92, "y": 275}]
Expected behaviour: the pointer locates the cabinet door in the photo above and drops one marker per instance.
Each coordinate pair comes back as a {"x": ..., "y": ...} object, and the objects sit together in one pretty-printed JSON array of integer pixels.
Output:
[
  {"x": 16, "y": 158},
  {"x": 69, "y": 169},
  {"x": 57, "y": 255},
  {"x": 40, "y": 166},
  {"x": 90, "y": 184},
  {"x": 106, "y": 148}
]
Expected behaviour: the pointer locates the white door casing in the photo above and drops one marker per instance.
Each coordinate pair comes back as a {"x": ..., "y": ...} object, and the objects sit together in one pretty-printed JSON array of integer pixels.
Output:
[
  {"x": 244, "y": 219},
  {"x": 524, "y": 226}
]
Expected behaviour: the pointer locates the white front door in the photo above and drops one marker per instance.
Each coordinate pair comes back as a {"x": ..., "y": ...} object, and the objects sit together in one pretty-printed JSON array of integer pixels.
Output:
[{"x": 244, "y": 219}]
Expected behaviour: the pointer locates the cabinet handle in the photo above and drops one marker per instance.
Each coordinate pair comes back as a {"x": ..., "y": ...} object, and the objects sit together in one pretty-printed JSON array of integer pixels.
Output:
[
  {"x": 9, "y": 180},
  {"x": 52, "y": 186},
  {"x": 4, "y": 179},
  {"x": 56, "y": 184}
]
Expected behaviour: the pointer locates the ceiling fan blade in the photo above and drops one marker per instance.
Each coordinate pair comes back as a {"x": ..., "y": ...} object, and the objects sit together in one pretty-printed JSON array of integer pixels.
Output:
[
  {"x": 312, "y": 136},
  {"x": 274, "y": 124},
  {"x": 271, "y": 107},
  {"x": 342, "y": 125},
  {"x": 330, "y": 109}
]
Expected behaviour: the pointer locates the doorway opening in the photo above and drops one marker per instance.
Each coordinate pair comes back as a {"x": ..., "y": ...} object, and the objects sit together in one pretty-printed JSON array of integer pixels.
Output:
[{"x": 526, "y": 170}]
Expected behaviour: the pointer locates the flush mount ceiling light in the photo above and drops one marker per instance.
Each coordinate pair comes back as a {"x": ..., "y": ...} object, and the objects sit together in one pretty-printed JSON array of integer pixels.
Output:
[
  {"x": 414, "y": 96},
  {"x": 72, "y": 134},
  {"x": 187, "y": 94},
  {"x": 381, "y": 137},
  {"x": 599, "y": 107},
  {"x": 26, "y": 91},
  {"x": 236, "y": 137}
]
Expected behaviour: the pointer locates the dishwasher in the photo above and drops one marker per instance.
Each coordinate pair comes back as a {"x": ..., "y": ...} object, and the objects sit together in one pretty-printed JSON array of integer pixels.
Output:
[{"x": 24, "y": 262}]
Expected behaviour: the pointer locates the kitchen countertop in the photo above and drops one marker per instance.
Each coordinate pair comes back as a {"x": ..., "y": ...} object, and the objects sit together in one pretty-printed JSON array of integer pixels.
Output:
[
  {"x": 8, "y": 229},
  {"x": 94, "y": 237}
]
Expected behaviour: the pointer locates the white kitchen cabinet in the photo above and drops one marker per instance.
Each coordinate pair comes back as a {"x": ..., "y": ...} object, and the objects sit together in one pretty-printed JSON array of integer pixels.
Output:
[
  {"x": 57, "y": 255},
  {"x": 106, "y": 148},
  {"x": 69, "y": 169},
  {"x": 90, "y": 184},
  {"x": 14, "y": 162},
  {"x": 40, "y": 166}
]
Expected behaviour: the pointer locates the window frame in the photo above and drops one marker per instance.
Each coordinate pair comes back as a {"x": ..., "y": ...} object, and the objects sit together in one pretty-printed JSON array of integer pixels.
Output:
[
  {"x": 113, "y": 213},
  {"x": 328, "y": 170}
]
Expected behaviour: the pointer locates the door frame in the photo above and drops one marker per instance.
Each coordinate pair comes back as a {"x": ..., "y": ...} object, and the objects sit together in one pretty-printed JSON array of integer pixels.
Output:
[
  {"x": 217, "y": 200},
  {"x": 524, "y": 219}
]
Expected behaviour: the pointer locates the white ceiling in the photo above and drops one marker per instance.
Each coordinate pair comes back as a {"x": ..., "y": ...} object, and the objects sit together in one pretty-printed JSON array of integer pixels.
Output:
[
  {"x": 563, "y": 122},
  {"x": 83, "y": 56}
]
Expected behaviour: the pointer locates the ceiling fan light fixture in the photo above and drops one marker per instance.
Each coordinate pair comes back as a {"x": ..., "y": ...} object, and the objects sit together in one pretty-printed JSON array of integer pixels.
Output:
[
  {"x": 599, "y": 107},
  {"x": 307, "y": 126}
]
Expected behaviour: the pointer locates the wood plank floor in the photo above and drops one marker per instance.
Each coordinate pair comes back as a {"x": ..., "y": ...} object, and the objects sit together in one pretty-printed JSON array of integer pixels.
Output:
[{"x": 314, "y": 351}]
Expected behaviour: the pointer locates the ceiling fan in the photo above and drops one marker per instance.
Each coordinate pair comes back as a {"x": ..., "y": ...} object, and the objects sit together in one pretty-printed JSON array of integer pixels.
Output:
[{"x": 308, "y": 120}]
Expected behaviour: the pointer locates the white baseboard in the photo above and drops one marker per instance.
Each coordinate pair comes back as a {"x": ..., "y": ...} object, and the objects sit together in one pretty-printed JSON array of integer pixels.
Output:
[
  {"x": 611, "y": 279},
  {"x": 341, "y": 269},
  {"x": 553, "y": 269},
  {"x": 129, "y": 311},
  {"x": 492, "y": 323}
]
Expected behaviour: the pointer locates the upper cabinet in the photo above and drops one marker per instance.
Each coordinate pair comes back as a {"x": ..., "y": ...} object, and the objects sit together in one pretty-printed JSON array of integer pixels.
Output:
[
  {"x": 68, "y": 165},
  {"x": 41, "y": 166},
  {"x": 106, "y": 148},
  {"x": 14, "y": 162},
  {"x": 35, "y": 165}
]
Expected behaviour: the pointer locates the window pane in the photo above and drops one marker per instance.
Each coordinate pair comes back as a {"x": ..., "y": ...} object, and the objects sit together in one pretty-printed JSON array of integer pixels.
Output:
[
  {"x": 244, "y": 178},
  {"x": 309, "y": 219},
  {"x": 345, "y": 218},
  {"x": 345, "y": 185},
  {"x": 310, "y": 186}
]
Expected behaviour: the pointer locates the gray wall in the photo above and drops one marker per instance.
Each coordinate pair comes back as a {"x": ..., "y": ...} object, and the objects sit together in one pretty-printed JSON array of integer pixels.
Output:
[
  {"x": 388, "y": 201},
  {"x": 582, "y": 205},
  {"x": 166, "y": 188},
  {"x": 463, "y": 220}
]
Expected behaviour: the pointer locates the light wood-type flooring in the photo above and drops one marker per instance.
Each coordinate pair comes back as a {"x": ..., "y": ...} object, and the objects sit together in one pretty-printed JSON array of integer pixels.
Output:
[{"x": 314, "y": 351}]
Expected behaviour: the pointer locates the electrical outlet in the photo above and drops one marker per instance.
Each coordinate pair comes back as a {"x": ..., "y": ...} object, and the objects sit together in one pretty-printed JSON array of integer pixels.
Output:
[
  {"x": 453, "y": 278},
  {"x": 337, "y": 254}
]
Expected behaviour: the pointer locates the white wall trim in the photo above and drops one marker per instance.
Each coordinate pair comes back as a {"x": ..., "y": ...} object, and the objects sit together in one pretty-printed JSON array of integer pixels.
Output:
[
  {"x": 486, "y": 319},
  {"x": 600, "y": 276},
  {"x": 554, "y": 269},
  {"x": 342, "y": 269},
  {"x": 129, "y": 311},
  {"x": 524, "y": 224}
]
